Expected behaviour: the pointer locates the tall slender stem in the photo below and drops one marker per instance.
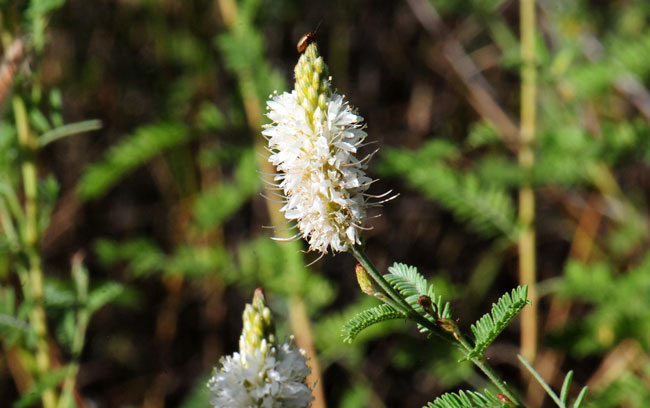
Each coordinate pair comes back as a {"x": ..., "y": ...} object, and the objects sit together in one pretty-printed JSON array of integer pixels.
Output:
[
  {"x": 30, "y": 236},
  {"x": 527, "y": 271}
]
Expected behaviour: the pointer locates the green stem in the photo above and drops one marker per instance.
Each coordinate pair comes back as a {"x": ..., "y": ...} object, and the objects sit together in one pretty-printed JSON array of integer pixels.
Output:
[
  {"x": 390, "y": 302},
  {"x": 8, "y": 226},
  {"x": 465, "y": 344},
  {"x": 541, "y": 381},
  {"x": 489, "y": 372},
  {"x": 77, "y": 345},
  {"x": 462, "y": 344},
  {"x": 30, "y": 238},
  {"x": 390, "y": 291},
  {"x": 527, "y": 255},
  {"x": 497, "y": 381},
  {"x": 80, "y": 277},
  {"x": 11, "y": 199}
]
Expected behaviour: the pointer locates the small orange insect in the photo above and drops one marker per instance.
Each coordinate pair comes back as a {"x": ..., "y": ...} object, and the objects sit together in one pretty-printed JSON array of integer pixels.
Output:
[{"x": 307, "y": 39}]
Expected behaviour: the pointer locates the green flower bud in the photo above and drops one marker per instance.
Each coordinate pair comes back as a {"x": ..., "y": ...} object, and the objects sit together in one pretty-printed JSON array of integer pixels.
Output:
[
  {"x": 312, "y": 81},
  {"x": 365, "y": 281},
  {"x": 259, "y": 329}
]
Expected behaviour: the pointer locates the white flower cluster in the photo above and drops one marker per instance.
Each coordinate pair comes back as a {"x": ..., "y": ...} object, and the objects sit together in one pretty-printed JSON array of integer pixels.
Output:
[
  {"x": 321, "y": 178},
  {"x": 271, "y": 379}
]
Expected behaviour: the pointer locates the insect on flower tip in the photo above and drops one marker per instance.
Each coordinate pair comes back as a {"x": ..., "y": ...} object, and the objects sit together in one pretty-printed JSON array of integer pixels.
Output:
[
  {"x": 313, "y": 139},
  {"x": 305, "y": 40}
]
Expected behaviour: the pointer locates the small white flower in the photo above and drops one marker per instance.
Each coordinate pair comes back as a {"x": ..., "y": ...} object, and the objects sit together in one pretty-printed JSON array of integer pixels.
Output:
[
  {"x": 271, "y": 379},
  {"x": 313, "y": 140},
  {"x": 262, "y": 374}
]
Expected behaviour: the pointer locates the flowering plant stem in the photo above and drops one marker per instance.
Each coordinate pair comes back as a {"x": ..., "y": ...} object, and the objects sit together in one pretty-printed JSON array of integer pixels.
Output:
[
  {"x": 392, "y": 295},
  {"x": 30, "y": 233},
  {"x": 394, "y": 299},
  {"x": 526, "y": 158}
]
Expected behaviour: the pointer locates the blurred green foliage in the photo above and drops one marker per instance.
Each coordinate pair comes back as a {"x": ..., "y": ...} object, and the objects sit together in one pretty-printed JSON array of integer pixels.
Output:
[{"x": 169, "y": 190}]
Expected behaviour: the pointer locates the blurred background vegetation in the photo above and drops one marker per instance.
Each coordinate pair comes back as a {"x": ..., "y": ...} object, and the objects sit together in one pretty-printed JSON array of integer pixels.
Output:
[{"x": 163, "y": 202}]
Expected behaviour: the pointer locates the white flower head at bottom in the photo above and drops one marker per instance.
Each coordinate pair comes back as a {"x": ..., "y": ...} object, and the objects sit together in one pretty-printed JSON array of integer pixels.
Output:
[
  {"x": 322, "y": 180},
  {"x": 272, "y": 377}
]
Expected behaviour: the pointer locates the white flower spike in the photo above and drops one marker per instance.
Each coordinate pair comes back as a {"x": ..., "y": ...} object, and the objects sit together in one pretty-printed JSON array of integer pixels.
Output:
[
  {"x": 313, "y": 140},
  {"x": 262, "y": 374}
]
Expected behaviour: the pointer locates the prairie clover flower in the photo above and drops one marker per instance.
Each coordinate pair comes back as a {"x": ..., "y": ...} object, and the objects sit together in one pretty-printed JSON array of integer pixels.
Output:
[
  {"x": 313, "y": 140},
  {"x": 263, "y": 374}
]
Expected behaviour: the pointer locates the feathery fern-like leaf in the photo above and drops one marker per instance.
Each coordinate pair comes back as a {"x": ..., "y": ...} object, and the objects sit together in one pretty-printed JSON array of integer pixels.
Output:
[
  {"x": 407, "y": 280},
  {"x": 147, "y": 142},
  {"x": 46, "y": 381},
  {"x": 367, "y": 318},
  {"x": 487, "y": 209},
  {"x": 215, "y": 205},
  {"x": 466, "y": 399},
  {"x": 488, "y": 327},
  {"x": 411, "y": 284}
]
